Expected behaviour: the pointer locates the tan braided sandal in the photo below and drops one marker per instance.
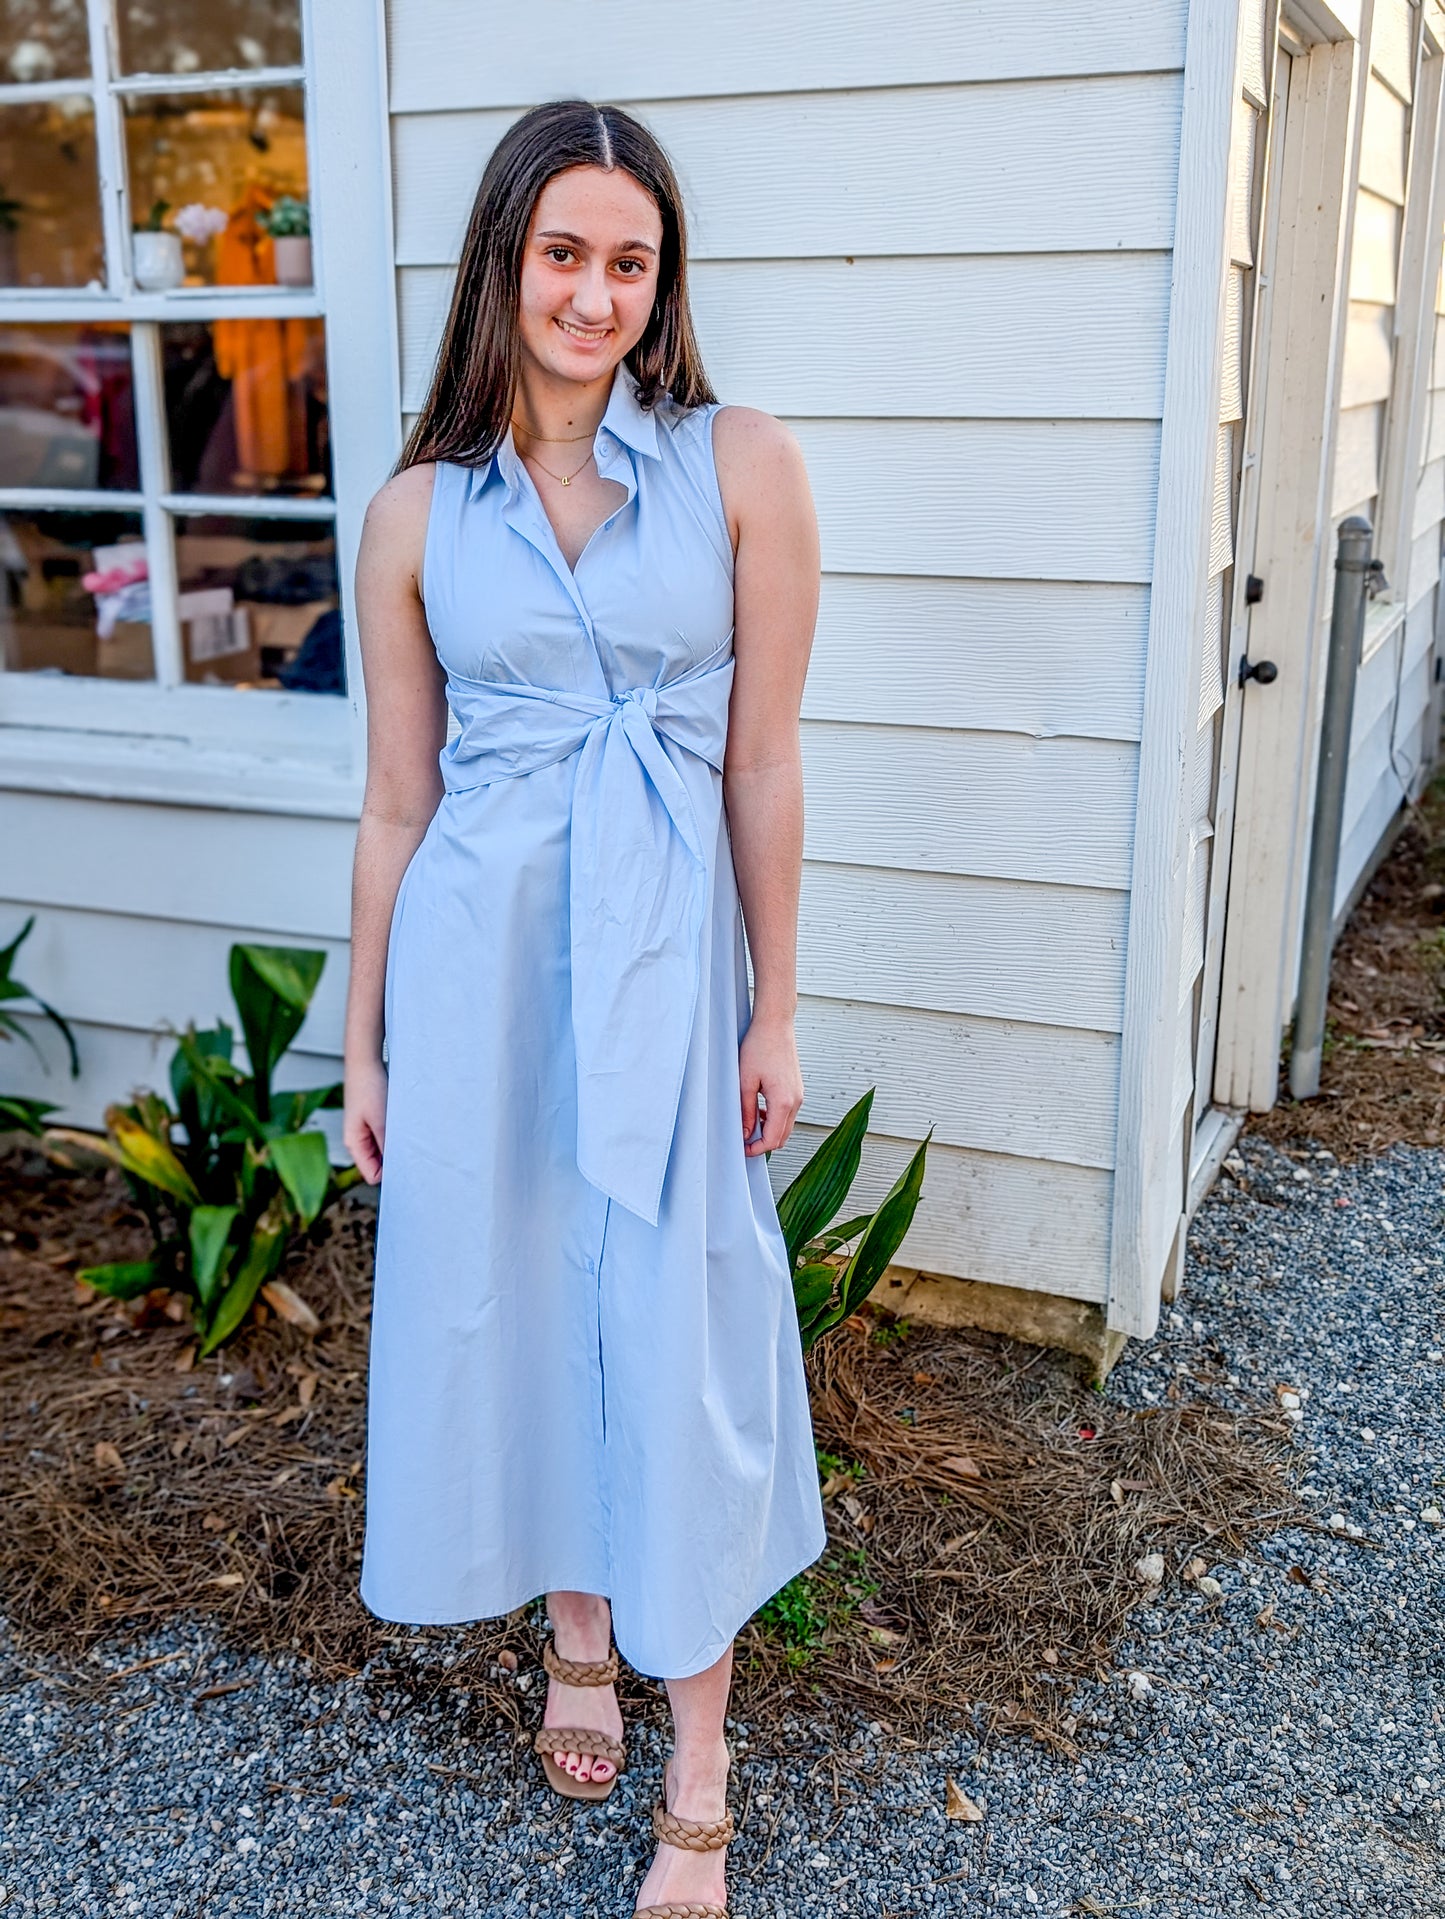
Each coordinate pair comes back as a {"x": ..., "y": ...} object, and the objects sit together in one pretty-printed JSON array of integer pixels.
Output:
[
  {"x": 692, "y": 1835},
  {"x": 597, "y": 1745}
]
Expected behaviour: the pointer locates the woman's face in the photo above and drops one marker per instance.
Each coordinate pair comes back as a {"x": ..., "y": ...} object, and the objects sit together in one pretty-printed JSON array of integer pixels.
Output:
[{"x": 589, "y": 273}]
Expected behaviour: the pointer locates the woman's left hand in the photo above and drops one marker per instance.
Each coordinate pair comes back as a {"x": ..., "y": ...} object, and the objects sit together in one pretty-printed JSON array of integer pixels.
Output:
[{"x": 768, "y": 1065}]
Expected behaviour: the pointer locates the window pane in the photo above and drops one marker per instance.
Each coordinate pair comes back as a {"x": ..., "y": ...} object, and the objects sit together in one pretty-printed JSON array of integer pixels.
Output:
[
  {"x": 73, "y": 595},
  {"x": 67, "y": 411},
  {"x": 259, "y": 605},
  {"x": 44, "y": 40},
  {"x": 180, "y": 36},
  {"x": 49, "y": 195},
  {"x": 212, "y": 168},
  {"x": 246, "y": 406}
]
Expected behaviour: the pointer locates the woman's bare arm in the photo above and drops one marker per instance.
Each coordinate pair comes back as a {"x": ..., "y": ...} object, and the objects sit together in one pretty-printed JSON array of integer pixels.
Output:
[
  {"x": 405, "y": 731},
  {"x": 775, "y": 582}
]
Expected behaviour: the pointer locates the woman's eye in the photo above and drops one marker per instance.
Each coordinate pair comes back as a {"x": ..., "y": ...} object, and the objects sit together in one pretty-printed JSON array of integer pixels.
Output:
[
  {"x": 630, "y": 267},
  {"x": 559, "y": 254}
]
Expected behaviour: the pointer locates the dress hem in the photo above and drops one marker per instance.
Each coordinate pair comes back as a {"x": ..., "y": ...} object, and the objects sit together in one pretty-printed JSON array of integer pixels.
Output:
[{"x": 710, "y": 1658}]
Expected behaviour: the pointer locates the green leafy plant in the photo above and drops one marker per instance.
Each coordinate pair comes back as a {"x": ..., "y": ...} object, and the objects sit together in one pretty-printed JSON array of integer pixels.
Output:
[
  {"x": 225, "y": 1203},
  {"x": 16, "y": 1112},
  {"x": 288, "y": 219},
  {"x": 154, "y": 222},
  {"x": 830, "y": 1281}
]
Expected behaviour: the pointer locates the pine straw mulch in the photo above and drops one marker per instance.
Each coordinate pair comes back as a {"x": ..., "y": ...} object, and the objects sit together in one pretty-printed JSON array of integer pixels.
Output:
[
  {"x": 987, "y": 1509},
  {"x": 1383, "y": 1078}
]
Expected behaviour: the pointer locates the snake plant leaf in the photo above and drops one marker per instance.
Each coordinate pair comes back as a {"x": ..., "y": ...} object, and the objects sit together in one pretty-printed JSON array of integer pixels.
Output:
[
  {"x": 303, "y": 1165},
  {"x": 123, "y": 1279},
  {"x": 884, "y": 1234},
  {"x": 215, "y": 1076},
  {"x": 272, "y": 987},
  {"x": 813, "y": 1288},
  {"x": 151, "y": 1159},
  {"x": 18, "y": 1114},
  {"x": 263, "y": 1257},
  {"x": 211, "y": 1253},
  {"x": 817, "y": 1192},
  {"x": 314, "y": 1100}
]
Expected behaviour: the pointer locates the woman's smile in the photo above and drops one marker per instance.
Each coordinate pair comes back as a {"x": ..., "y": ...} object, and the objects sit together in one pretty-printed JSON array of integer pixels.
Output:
[{"x": 589, "y": 336}]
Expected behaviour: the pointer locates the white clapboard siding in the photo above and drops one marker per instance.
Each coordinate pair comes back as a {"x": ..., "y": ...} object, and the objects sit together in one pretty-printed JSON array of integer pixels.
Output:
[
  {"x": 1231, "y": 389},
  {"x": 1052, "y": 336},
  {"x": 956, "y": 945},
  {"x": 1392, "y": 45},
  {"x": 1256, "y": 18},
  {"x": 1211, "y": 659},
  {"x": 980, "y": 1216},
  {"x": 1071, "y": 166},
  {"x": 1221, "y": 539},
  {"x": 112, "y": 969},
  {"x": 1042, "y": 657},
  {"x": 990, "y": 499},
  {"x": 1374, "y": 257},
  {"x": 996, "y": 806},
  {"x": 1384, "y": 140},
  {"x": 1357, "y": 460},
  {"x": 446, "y": 57},
  {"x": 1429, "y": 499},
  {"x": 1437, "y": 360},
  {"x": 1242, "y": 156},
  {"x": 1369, "y": 355},
  {"x": 1424, "y": 572},
  {"x": 1383, "y": 763},
  {"x": 1044, "y": 1093},
  {"x": 179, "y": 863},
  {"x": 1434, "y": 448}
]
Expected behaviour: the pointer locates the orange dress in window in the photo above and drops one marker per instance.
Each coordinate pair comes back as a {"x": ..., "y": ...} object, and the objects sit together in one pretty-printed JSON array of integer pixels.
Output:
[{"x": 260, "y": 358}]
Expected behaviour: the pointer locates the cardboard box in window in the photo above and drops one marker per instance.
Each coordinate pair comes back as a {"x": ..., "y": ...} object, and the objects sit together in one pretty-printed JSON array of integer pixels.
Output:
[
  {"x": 126, "y": 655},
  {"x": 33, "y": 646},
  {"x": 283, "y": 626},
  {"x": 216, "y": 638}
]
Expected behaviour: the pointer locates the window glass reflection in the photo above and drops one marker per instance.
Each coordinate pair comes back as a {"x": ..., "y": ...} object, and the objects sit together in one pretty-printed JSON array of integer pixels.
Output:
[
  {"x": 49, "y": 195},
  {"x": 246, "y": 406},
  {"x": 259, "y": 603},
  {"x": 43, "y": 40},
  {"x": 210, "y": 172},
  {"x": 67, "y": 407},
  {"x": 178, "y": 36},
  {"x": 74, "y": 599}
]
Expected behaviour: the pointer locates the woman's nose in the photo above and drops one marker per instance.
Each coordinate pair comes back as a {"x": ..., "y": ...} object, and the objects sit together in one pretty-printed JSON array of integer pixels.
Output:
[{"x": 591, "y": 296}]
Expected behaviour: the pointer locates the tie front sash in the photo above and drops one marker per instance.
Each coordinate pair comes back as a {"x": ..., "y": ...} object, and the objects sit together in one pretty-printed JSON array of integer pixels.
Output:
[{"x": 640, "y": 877}]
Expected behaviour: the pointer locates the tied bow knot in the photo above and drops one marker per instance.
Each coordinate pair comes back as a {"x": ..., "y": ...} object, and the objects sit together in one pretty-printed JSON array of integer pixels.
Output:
[{"x": 643, "y": 839}]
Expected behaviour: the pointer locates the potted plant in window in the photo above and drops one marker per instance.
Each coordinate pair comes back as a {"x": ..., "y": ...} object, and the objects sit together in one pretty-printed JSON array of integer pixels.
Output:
[
  {"x": 156, "y": 253},
  {"x": 289, "y": 225}
]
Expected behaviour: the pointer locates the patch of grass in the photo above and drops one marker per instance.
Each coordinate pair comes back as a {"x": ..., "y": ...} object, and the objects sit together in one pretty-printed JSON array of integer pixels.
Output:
[
  {"x": 818, "y": 1604},
  {"x": 889, "y": 1332}
]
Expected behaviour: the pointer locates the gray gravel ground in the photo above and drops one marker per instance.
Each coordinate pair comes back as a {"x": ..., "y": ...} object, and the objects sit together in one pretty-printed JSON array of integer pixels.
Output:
[{"x": 1289, "y": 1768}]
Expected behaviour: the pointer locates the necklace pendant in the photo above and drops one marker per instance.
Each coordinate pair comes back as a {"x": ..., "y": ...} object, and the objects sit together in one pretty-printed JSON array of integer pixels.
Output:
[{"x": 568, "y": 480}]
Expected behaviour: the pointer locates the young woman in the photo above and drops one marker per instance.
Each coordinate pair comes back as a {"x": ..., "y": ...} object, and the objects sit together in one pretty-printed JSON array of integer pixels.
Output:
[{"x": 586, "y": 1374}]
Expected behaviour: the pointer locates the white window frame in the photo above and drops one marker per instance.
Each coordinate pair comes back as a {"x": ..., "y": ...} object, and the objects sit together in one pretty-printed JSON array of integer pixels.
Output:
[{"x": 166, "y": 739}]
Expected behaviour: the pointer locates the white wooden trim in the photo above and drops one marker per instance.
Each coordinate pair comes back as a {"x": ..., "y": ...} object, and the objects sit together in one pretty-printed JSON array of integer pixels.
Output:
[
  {"x": 109, "y": 145},
  {"x": 85, "y": 305},
  {"x": 1276, "y": 752},
  {"x": 152, "y": 432},
  {"x": 1214, "y": 1136},
  {"x": 1144, "y": 1183},
  {"x": 213, "y": 80},
  {"x": 348, "y": 115}
]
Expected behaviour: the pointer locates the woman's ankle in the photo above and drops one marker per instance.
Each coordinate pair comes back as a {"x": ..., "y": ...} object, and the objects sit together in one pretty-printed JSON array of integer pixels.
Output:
[{"x": 581, "y": 1625}]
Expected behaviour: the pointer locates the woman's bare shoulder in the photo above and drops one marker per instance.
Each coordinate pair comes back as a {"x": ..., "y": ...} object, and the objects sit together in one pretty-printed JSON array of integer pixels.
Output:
[
  {"x": 743, "y": 435},
  {"x": 402, "y": 502},
  {"x": 760, "y": 466}
]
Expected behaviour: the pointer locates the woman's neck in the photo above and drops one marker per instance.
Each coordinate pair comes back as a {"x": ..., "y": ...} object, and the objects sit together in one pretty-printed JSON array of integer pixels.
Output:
[{"x": 558, "y": 410}]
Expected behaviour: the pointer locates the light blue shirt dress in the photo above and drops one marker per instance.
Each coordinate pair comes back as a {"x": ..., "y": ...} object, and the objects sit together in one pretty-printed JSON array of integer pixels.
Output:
[{"x": 585, "y": 1371}]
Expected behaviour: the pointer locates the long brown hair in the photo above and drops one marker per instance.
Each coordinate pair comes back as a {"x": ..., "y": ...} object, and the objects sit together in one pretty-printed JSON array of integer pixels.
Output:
[{"x": 469, "y": 404}]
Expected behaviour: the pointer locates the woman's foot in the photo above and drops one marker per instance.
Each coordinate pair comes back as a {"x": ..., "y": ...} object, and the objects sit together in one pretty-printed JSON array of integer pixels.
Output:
[
  {"x": 694, "y": 1786},
  {"x": 584, "y": 1634}
]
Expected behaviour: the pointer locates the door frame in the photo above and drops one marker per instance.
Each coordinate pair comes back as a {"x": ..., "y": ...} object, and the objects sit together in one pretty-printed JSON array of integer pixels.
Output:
[{"x": 1297, "y": 449}]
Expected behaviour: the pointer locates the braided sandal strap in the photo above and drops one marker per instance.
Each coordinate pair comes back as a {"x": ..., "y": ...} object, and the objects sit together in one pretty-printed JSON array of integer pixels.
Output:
[
  {"x": 692, "y": 1835},
  {"x": 597, "y": 1745},
  {"x": 579, "y": 1672},
  {"x": 681, "y": 1912}
]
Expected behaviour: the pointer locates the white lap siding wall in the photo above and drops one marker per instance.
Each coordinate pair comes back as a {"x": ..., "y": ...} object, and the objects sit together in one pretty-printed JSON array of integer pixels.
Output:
[
  {"x": 935, "y": 240},
  {"x": 1392, "y": 743}
]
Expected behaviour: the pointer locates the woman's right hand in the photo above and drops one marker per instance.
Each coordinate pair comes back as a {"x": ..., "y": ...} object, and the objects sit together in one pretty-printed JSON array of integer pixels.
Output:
[{"x": 363, "y": 1126}]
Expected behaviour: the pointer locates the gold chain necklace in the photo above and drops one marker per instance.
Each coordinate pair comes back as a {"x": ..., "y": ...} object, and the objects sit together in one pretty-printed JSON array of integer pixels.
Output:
[{"x": 563, "y": 479}]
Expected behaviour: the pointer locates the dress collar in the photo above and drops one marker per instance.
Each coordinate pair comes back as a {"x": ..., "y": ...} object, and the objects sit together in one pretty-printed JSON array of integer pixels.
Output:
[{"x": 625, "y": 420}]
